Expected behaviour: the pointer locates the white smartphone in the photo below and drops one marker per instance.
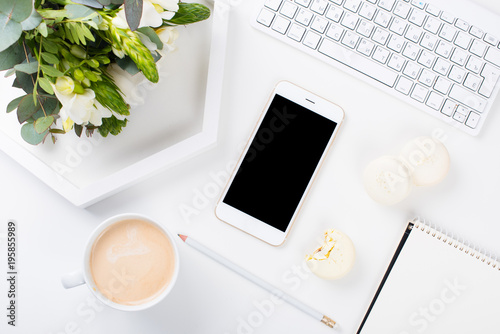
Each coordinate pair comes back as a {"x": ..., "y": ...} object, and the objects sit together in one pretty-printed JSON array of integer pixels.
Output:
[{"x": 279, "y": 163}]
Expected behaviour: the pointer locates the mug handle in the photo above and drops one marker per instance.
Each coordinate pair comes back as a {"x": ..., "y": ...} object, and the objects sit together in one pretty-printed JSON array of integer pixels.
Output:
[{"x": 72, "y": 279}]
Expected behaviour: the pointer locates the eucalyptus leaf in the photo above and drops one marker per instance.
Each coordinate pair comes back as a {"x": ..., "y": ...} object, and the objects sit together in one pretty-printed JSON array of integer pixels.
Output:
[
  {"x": 50, "y": 58},
  {"x": 31, "y": 22},
  {"x": 14, "y": 103},
  {"x": 43, "y": 123},
  {"x": 30, "y": 135},
  {"x": 51, "y": 71},
  {"x": 128, "y": 65},
  {"x": 11, "y": 56},
  {"x": 151, "y": 34},
  {"x": 26, "y": 108},
  {"x": 90, "y": 3},
  {"x": 9, "y": 73},
  {"x": 28, "y": 68},
  {"x": 45, "y": 84},
  {"x": 24, "y": 81},
  {"x": 10, "y": 31},
  {"x": 17, "y": 10},
  {"x": 50, "y": 107},
  {"x": 133, "y": 13},
  {"x": 105, "y": 2},
  {"x": 79, "y": 11}
]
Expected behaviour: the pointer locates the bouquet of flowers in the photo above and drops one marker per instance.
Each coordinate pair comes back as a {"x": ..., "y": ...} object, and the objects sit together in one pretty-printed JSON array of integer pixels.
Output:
[{"x": 62, "y": 53}]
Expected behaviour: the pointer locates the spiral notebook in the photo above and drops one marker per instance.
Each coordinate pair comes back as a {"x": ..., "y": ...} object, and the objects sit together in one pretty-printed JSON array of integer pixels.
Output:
[{"x": 436, "y": 284}]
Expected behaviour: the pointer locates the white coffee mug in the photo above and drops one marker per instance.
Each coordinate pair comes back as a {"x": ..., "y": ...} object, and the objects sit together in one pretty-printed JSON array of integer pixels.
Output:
[{"x": 84, "y": 276}]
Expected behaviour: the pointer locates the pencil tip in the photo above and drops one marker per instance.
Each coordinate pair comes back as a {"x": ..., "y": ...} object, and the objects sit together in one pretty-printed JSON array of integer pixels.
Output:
[{"x": 183, "y": 237}]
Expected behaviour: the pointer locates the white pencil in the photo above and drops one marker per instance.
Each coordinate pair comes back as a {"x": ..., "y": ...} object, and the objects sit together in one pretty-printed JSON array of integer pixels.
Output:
[{"x": 258, "y": 281}]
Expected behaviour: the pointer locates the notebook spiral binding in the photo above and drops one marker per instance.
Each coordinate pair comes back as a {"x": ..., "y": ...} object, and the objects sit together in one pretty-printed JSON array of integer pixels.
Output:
[{"x": 460, "y": 244}]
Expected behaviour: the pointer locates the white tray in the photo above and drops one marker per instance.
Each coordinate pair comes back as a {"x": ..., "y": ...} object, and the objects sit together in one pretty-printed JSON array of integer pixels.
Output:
[{"x": 179, "y": 119}]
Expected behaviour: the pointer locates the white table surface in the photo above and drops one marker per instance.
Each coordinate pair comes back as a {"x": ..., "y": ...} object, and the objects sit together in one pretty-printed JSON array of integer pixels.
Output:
[{"x": 209, "y": 299}]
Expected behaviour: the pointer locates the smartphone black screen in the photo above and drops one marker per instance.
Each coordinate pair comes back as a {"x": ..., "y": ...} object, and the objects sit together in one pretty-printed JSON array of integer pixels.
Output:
[{"x": 280, "y": 162}]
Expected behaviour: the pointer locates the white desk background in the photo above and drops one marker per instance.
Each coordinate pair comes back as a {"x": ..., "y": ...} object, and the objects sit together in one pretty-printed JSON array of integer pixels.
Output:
[{"x": 209, "y": 299}]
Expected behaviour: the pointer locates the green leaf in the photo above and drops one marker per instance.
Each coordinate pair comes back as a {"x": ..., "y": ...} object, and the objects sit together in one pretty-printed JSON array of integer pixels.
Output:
[
  {"x": 42, "y": 28},
  {"x": 90, "y": 3},
  {"x": 128, "y": 65},
  {"x": 17, "y": 10},
  {"x": 50, "y": 46},
  {"x": 190, "y": 13},
  {"x": 51, "y": 71},
  {"x": 133, "y": 13},
  {"x": 111, "y": 125},
  {"x": 10, "y": 31},
  {"x": 11, "y": 56},
  {"x": 59, "y": 131},
  {"x": 31, "y": 22},
  {"x": 43, "y": 123},
  {"x": 26, "y": 108},
  {"x": 14, "y": 103},
  {"x": 151, "y": 34},
  {"x": 28, "y": 68},
  {"x": 50, "y": 106},
  {"x": 78, "y": 130},
  {"x": 24, "y": 81},
  {"x": 30, "y": 135},
  {"x": 79, "y": 11},
  {"x": 45, "y": 84},
  {"x": 50, "y": 58},
  {"x": 87, "y": 33},
  {"x": 9, "y": 73}
]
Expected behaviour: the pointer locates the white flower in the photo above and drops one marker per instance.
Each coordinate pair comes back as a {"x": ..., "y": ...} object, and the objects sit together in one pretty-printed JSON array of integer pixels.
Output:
[
  {"x": 130, "y": 85},
  {"x": 153, "y": 13},
  {"x": 78, "y": 108},
  {"x": 168, "y": 36}
]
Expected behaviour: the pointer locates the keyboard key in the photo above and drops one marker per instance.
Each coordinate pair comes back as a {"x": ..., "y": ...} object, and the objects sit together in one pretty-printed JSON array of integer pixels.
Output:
[
  {"x": 350, "y": 21},
  {"x": 363, "y": 65},
  {"x": 473, "y": 120},
  {"x": 490, "y": 39},
  {"x": 444, "y": 49},
  {"x": 411, "y": 51},
  {"x": 366, "y": 47},
  {"x": 490, "y": 75},
  {"x": 304, "y": 3},
  {"x": 429, "y": 41},
  {"x": 466, "y": 97},
  {"x": 335, "y": 32},
  {"x": 435, "y": 101},
  {"x": 457, "y": 74},
  {"x": 319, "y": 24},
  {"x": 493, "y": 56},
  {"x": 319, "y": 6},
  {"x": 418, "y": 4},
  {"x": 404, "y": 85},
  {"x": 476, "y": 32},
  {"x": 461, "y": 24},
  {"x": 382, "y": 18},
  {"x": 433, "y": 10},
  {"x": 442, "y": 66},
  {"x": 396, "y": 43},
  {"x": 419, "y": 93},
  {"x": 459, "y": 57},
  {"x": 447, "y": 17},
  {"x": 411, "y": 70},
  {"x": 312, "y": 40},
  {"x": 338, "y": 2},
  {"x": 474, "y": 64},
  {"x": 398, "y": 26},
  {"x": 367, "y": 11},
  {"x": 273, "y": 4},
  {"x": 449, "y": 108},
  {"x": 417, "y": 17},
  {"x": 472, "y": 82},
  {"x": 386, "y": 4},
  {"x": 289, "y": 9},
  {"x": 463, "y": 40},
  {"x": 380, "y": 36},
  {"x": 352, "y": 5},
  {"x": 426, "y": 59},
  {"x": 442, "y": 85},
  {"x": 365, "y": 28},
  {"x": 396, "y": 62},
  {"x": 432, "y": 25},
  {"x": 381, "y": 55},
  {"x": 265, "y": 17},
  {"x": 478, "y": 48},
  {"x": 461, "y": 114},
  {"x": 350, "y": 39},
  {"x": 334, "y": 13},
  {"x": 413, "y": 34},
  {"x": 281, "y": 25},
  {"x": 296, "y": 32},
  {"x": 402, "y": 10},
  {"x": 427, "y": 78},
  {"x": 448, "y": 32}
]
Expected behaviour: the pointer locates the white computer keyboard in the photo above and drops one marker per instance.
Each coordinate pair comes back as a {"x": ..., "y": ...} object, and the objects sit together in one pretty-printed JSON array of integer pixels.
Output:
[{"x": 425, "y": 56}]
